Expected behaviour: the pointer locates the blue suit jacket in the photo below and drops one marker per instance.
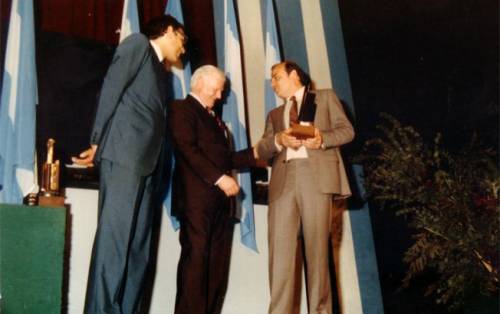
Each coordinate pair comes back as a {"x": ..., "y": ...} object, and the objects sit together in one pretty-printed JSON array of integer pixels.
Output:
[{"x": 130, "y": 122}]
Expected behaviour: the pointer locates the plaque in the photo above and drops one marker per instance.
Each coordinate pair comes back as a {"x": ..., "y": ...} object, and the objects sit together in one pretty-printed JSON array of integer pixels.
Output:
[{"x": 302, "y": 131}]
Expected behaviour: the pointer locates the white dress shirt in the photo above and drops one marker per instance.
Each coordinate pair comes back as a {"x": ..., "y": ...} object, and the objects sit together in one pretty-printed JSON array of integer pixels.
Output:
[
  {"x": 291, "y": 153},
  {"x": 157, "y": 50}
]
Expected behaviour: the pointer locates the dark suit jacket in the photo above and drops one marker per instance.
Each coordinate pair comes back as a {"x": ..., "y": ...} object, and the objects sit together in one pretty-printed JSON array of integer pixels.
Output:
[
  {"x": 202, "y": 154},
  {"x": 131, "y": 116}
]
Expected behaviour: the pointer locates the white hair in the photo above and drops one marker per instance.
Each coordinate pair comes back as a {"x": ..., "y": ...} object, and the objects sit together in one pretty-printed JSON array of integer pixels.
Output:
[{"x": 204, "y": 72}]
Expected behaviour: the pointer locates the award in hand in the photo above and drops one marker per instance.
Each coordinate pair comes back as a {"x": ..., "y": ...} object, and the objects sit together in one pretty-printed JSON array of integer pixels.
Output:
[{"x": 304, "y": 129}]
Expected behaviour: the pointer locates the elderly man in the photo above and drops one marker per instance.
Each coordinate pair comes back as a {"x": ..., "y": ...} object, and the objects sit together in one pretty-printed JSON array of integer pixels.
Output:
[
  {"x": 306, "y": 175},
  {"x": 202, "y": 175},
  {"x": 127, "y": 141}
]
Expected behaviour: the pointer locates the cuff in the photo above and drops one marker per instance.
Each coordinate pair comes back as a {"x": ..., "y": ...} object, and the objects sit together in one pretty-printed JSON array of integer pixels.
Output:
[
  {"x": 218, "y": 180},
  {"x": 278, "y": 146}
]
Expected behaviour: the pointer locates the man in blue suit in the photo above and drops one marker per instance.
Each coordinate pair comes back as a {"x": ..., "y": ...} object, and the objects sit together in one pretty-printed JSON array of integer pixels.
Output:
[{"x": 127, "y": 143}]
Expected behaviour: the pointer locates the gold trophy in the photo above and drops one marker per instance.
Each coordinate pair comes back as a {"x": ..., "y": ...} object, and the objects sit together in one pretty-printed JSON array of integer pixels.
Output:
[
  {"x": 50, "y": 192},
  {"x": 50, "y": 174}
]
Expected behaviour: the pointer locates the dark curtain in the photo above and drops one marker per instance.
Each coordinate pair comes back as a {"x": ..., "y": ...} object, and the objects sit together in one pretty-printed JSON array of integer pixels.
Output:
[
  {"x": 70, "y": 72},
  {"x": 199, "y": 22},
  {"x": 90, "y": 19},
  {"x": 100, "y": 21}
]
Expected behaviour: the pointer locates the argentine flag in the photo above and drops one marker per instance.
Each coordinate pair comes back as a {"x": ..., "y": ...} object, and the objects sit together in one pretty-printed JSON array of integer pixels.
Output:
[
  {"x": 273, "y": 56},
  {"x": 181, "y": 72},
  {"x": 130, "y": 19},
  {"x": 233, "y": 115},
  {"x": 19, "y": 97},
  {"x": 180, "y": 79}
]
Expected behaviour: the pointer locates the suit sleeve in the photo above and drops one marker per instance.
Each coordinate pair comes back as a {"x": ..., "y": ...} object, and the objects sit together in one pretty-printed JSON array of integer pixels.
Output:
[
  {"x": 183, "y": 129},
  {"x": 243, "y": 158},
  {"x": 266, "y": 147},
  {"x": 341, "y": 131},
  {"x": 127, "y": 60}
]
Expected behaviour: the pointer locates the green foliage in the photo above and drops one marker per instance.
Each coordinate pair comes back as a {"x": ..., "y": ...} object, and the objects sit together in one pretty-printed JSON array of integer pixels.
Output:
[{"x": 449, "y": 199}]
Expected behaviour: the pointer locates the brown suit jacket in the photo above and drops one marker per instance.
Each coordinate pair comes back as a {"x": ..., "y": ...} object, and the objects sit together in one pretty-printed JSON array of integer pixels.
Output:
[{"x": 328, "y": 167}]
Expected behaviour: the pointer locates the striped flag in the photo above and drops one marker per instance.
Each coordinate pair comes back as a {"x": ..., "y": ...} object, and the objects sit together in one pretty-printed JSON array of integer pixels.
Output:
[
  {"x": 180, "y": 79},
  {"x": 19, "y": 97},
  {"x": 182, "y": 72},
  {"x": 130, "y": 19},
  {"x": 273, "y": 56},
  {"x": 234, "y": 116}
]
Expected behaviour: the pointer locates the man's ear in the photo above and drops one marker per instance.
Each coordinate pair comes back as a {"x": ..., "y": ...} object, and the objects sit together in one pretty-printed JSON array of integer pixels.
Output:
[
  {"x": 294, "y": 75},
  {"x": 170, "y": 30}
]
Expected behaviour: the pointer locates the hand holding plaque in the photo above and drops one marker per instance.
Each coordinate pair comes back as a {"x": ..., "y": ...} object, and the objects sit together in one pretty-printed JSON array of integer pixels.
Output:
[
  {"x": 314, "y": 142},
  {"x": 302, "y": 131},
  {"x": 305, "y": 128}
]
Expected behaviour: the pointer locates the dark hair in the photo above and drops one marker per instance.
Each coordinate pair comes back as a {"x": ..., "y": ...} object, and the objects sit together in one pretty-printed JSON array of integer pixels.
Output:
[
  {"x": 158, "y": 26},
  {"x": 290, "y": 66}
]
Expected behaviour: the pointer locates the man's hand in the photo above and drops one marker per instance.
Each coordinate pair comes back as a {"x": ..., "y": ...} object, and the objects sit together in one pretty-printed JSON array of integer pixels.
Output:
[
  {"x": 86, "y": 157},
  {"x": 259, "y": 163},
  {"x": 314, "y": 142},
  {"x": 255, "y": 152},
  {"x": 228, "y": 185},
  {"x": 285, "y": 139}
]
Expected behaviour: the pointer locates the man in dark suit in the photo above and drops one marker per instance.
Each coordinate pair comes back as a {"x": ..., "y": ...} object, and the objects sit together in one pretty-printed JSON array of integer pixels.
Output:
[
  {"x": 127, "y": 141},
  {"x": 306, "y": 175},
  {"x": 203, "y": 164}
]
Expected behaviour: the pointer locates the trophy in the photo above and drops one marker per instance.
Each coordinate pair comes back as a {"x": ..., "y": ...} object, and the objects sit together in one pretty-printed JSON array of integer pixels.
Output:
[{"x": 50, "y": 173}]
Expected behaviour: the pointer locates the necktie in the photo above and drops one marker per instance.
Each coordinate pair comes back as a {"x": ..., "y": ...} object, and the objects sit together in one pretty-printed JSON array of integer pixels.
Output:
[
  {"x": 294, "y": 112},
  {"x": 219, "y": 122}
]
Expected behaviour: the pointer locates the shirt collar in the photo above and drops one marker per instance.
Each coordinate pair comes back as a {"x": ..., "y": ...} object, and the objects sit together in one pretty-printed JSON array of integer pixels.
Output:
[
  {"x": 299, "y": 93},
  {"x": 157, "y": 50},
  {"x": 199, "y": 100}
]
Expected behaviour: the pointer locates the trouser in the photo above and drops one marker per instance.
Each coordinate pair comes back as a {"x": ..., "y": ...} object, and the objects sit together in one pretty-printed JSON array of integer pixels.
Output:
[
  {"x": 206, "y": 237},
  {"x": 122, "y": 243},
  {"x": 300, "y": 208}
]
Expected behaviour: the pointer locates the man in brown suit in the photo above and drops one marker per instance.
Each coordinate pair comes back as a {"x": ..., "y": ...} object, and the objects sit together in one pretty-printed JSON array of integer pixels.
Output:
[{"x": 306, "y": 175}]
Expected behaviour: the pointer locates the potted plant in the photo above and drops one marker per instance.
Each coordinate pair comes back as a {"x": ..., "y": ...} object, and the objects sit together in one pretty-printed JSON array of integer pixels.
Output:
[{"x": 450, "y": 200}]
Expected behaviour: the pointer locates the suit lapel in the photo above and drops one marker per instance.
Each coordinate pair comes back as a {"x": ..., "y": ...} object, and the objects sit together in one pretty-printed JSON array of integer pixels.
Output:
[
  {"x": 317, "y": 105},
  {"x": 206, "y": 119}
]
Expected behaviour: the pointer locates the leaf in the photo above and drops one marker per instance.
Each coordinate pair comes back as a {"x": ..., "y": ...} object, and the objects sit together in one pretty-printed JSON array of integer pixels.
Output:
[{"x": 451, "y": 201}]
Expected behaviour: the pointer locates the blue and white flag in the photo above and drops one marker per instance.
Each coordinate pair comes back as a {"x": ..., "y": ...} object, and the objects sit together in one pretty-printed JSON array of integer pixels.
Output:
[
  {"x": 130, "y": 19},
  {"x": 273, "y": 56},
  {"x": 182, "y": 72},
  {"x": 234, "y": 115},
  {"x": 19, "y": 97},
  {"x": 180, "y": 79}
]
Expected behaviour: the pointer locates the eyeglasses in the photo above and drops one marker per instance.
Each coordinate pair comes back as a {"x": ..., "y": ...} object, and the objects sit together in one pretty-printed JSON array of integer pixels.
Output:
[{"x": 183, "y": 36}]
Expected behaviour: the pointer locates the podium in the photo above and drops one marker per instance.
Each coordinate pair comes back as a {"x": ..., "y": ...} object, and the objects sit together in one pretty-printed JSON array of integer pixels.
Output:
[{"x": 31, "y": 258}]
